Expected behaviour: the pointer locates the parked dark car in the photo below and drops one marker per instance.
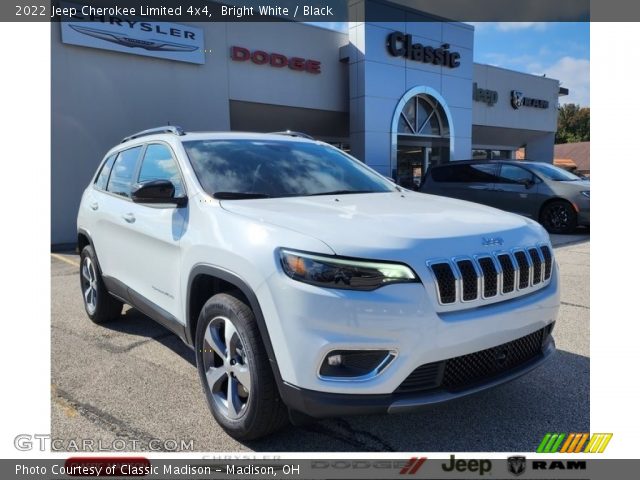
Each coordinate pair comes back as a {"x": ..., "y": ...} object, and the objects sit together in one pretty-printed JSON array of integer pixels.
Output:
[{"x": 558, "y": 199}]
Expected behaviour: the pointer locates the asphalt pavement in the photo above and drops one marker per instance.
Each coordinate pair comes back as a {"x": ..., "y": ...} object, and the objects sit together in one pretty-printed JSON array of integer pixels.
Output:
[{"x": 132, "y": 385}]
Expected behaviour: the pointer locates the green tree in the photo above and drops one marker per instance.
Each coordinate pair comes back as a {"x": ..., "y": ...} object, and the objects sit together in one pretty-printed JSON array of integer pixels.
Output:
[{"x": 573, "y": 124}]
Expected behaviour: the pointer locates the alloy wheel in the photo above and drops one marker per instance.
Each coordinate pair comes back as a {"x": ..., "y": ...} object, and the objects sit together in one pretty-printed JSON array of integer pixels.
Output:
[
  {"x": 558, "y": 216},
  {"x": 225, "y": 365},
  {"x": 89, "y": 285}
]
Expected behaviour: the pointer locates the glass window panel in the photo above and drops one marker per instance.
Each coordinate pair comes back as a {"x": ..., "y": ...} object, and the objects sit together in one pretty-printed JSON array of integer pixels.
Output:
[
  {"x": 122, "y": 172},
  {"x": 159, "y": 164}
]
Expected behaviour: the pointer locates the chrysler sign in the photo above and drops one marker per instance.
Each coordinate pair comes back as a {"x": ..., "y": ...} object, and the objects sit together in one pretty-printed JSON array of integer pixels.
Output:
[{"x": 171, "y": 41}]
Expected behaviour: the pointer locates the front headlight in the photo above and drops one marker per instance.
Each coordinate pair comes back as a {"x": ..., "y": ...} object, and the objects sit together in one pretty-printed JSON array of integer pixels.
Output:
[
  {"x": 586, "y": 193},
  {"x": 344, "y": 273}
]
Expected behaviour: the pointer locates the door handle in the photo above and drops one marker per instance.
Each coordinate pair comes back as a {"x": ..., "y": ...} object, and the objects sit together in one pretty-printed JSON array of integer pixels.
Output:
[
  {"x": 129, "y": 217},
  {"x": 93, "y": 205}
]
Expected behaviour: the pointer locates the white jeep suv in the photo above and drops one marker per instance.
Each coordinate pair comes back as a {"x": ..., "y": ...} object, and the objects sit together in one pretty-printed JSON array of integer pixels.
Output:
[{"x": 307, "y": 284}]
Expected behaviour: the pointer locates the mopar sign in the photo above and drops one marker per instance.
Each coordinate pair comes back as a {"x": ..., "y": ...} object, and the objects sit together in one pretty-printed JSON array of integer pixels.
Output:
[
  {"x": 518, "y": 100},
  {"x": 171, "y": 41}
]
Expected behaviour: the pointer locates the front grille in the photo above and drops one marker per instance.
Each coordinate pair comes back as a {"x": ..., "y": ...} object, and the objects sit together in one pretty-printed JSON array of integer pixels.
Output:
[
  {"x": 508, "y": 273},
  {"x": 424, "y": 377},
  {"x": 446, "y": 282},
  {"x": 469, "y": 280},
  {"x": 537, "y": 265},
  {"x": 546, "y": 254},
  {"x": 463, "y": 372},
  {"x": 523, "y": 267},
  {"x": 488, "y": 276}
]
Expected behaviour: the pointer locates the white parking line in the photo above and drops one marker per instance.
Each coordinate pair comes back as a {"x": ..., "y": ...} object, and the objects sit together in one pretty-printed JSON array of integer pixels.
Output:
[{"x": 65, "y": 259}]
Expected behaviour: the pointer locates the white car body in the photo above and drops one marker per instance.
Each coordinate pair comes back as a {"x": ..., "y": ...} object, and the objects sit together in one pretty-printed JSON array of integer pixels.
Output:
[{"x": 153, "y": 260}]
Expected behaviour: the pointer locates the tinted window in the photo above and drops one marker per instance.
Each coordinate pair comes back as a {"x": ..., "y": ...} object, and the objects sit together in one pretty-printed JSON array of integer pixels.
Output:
[
  {"x": 159, "y": 164},
  {"x": 467, "y": 173},
  {"x": 103, "y": 176},
  {"x": 553, "y": 172},
  {"x": 122, "y": 172},
  {"x": 278, "y": 168},
  {"x": 514, "y": 174}
]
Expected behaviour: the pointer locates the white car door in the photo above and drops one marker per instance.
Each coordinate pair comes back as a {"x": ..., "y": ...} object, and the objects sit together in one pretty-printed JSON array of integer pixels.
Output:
[
  {"x": 111, "y": 202},
  {"x": 153, "y": 235}
]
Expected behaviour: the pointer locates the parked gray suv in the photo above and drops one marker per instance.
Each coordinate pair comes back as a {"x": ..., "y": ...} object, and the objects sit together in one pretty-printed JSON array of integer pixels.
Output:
[{"x": 558, "y": 199}]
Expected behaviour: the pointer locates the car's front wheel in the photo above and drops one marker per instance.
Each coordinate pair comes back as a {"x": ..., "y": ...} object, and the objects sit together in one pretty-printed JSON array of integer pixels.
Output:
[
  {"x": 234, "y": 370},
  {"x": 99, "y": 304},
  {"x": 559, "y": 216}
]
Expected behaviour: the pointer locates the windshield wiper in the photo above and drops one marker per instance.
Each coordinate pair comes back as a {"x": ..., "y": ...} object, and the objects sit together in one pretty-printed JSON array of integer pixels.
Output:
[
  {"x": 239, "y": 195},
  {"x": 341, "y": 192}
]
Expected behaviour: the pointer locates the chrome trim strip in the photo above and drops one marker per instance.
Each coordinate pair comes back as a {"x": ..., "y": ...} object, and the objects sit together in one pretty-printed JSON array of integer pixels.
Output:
[{"x": 382, "y": 366}]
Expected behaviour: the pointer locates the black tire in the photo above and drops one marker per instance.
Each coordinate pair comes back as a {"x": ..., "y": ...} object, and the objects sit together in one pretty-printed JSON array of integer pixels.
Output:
[
  {"x": 99, "y": 304},
  {"x": 559, "y": 216},
  {"x": 258, "y": 411}
]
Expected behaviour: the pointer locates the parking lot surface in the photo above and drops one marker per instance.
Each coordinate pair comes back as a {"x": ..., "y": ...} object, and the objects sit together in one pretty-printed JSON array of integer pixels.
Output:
[{"x": 132, "y": 385}]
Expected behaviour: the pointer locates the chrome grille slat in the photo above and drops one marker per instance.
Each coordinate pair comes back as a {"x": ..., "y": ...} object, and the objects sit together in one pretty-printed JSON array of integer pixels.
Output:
[
  {"x": 523, "y": 269},
  {"x": 508, "y": 272},
  {"x": 469, "y": 278},
  {"x": 492, "y": 275}
]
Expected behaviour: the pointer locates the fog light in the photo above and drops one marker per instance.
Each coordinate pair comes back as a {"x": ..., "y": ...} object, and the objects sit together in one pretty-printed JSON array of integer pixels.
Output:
[
  {"x": 334, "y": 360},
  {"x": 351, "y": 364}
]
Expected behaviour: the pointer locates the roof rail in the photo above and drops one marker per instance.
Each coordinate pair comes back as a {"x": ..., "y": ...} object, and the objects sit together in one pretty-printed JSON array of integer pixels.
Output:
[
  {"x": 166, "y": 129},
  {"x": 291, "y": 133}
]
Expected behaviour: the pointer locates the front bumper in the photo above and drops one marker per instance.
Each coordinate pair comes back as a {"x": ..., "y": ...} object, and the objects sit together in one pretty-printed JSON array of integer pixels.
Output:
[
  {"x": 322, "y": 405},
  {"x": 584, "y": 217},
  {"x": 305, "y": 323}
]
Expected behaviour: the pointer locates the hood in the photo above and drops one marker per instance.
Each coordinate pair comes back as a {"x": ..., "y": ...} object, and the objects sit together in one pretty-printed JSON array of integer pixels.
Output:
[
  {"x": 581, "y": 184},
  {"x": 383, "y": 225}
]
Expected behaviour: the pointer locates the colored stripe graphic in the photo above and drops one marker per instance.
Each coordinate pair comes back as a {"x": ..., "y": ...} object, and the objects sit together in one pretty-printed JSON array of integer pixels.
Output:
[
  {"x": 567, "y": 443},
  {"x": 574, "y": 443},
  {"x": 412, "y": 465},
  {"x": 598, "y": 442}
]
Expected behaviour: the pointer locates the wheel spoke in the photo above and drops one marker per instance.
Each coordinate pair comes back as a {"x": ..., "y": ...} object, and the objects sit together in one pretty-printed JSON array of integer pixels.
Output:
[
  {"x": 215, "y": 377},
  {"x": 212, "y": 341},
  {"x": 92, "y": 274},
  {"x": 229, "y": 337},
  {"x": 87, "y": 295},
  {"x": 233, "y": 400},
  {"x": 85, "y": 273},
  {"x": 243, "y": 376}
]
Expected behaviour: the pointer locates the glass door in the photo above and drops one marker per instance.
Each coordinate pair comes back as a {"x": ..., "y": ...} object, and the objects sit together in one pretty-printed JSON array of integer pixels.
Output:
[{"x": 412, "y": 163}]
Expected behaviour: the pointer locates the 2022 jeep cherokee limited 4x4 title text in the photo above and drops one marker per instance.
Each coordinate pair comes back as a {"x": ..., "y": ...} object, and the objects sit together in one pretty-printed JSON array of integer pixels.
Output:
[{"x": 306, "y": 282}]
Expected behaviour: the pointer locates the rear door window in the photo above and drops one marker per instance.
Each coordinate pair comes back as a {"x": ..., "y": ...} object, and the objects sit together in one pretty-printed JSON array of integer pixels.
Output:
[
  {"x": 514, "y": 174},
  {"x": 103, "y": 176},
  {"x": 467, "y": 173},
  {"x": 122, "y": 172}
]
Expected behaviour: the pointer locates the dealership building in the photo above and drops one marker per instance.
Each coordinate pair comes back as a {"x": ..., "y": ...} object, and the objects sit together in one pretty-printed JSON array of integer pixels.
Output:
[{"x": 399, "y": 95}]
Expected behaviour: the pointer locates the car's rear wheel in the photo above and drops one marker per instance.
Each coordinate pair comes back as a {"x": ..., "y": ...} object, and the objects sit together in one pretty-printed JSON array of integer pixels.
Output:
[
  {"x": 559, "y": 216},
  {"x": 234, "y": 370},
  {"x": 99, "y": 304}
]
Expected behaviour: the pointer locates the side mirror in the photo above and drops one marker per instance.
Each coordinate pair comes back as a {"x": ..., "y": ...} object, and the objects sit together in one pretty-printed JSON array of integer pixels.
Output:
[
  {"x": 528, "y": 183},
  {"x": 157, "y": 191}
]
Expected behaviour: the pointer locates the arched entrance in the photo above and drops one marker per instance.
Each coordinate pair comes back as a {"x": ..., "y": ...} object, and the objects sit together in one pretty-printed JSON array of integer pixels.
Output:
[{"x": 421, "y": 135}]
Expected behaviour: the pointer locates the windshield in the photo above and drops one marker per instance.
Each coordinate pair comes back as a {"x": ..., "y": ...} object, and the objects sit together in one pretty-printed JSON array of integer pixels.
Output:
[
  {"x": 552, "y": 172},
  {"x": 270, "y": 168}
]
